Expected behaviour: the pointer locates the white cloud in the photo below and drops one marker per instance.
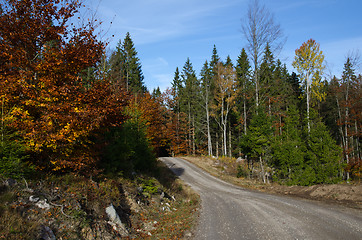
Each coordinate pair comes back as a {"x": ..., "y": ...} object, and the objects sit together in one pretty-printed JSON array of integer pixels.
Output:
[{"x": 151, "y": 21}]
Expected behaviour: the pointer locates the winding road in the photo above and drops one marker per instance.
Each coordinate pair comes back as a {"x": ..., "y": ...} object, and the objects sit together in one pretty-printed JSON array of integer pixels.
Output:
[{"x": 231, "y": 212}]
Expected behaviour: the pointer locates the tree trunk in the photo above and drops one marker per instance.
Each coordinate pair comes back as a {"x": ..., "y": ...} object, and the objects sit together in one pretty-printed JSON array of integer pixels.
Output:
[
  {"x": 346, "y": 128},
  {"x": 224, "y": 141},
  {"x": 217, "y": 145},
  {"x": 357, "y": 142},
  {"x": 189, "y": 134},
  {"x": 256, "y": 81},
  {"x": 244, "y": 115},
  {"x": 230, "y": 149},
  {"x": 262, "y": 169},
  {"x": 308, "y": 103},
  {"x": 193, "y": 136},
  {"x": 209, "y": 143},
  {"x": 2, "y": 121}
]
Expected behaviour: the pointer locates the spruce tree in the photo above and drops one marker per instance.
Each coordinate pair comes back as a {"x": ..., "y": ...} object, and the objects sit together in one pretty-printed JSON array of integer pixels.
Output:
[
  {"x": 116, "y": 63},
  {"x": 190, "y": 100},
  {"x": 244, "y": 85},
  {"x": 323, "y": 155},
  {"x": 177, "y": 89},
  {"x": 125, "y": 67},
  {"x": 132, "y": 67},
  {"x": 266, "y": 79},
  {"x": 288, "y": 151},
  {"x": 256, "y": 144},
  {"x": 206, "y": 82}
]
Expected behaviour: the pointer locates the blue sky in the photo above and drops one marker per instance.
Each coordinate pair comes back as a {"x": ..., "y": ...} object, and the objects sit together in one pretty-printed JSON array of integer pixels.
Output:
[{"x": 167, "y": 32}]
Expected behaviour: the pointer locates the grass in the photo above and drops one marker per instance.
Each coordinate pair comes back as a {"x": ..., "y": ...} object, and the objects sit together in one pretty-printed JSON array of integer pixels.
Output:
[{"x": 77, "y": 206}]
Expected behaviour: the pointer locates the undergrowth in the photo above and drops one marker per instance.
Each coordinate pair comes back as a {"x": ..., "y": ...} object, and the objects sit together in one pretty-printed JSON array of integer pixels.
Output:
[{"x": 154, "y": 206}]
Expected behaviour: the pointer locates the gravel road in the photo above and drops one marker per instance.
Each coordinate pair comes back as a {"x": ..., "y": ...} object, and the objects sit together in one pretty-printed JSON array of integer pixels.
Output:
[{"x": 231, "y": 212}]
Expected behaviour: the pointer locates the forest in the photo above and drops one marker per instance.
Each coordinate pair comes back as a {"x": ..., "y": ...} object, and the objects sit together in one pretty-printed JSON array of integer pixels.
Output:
[{"x": 69, "y": 106}]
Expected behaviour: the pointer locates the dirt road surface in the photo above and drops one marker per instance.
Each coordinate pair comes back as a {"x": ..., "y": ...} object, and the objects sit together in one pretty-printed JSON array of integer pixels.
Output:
[{"x": 231, "y": 212}]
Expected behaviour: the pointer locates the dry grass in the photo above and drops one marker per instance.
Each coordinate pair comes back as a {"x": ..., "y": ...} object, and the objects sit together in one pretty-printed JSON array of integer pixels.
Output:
[
  {"x": 343, "y": 194},
  {"x": 78, "y": 207}
]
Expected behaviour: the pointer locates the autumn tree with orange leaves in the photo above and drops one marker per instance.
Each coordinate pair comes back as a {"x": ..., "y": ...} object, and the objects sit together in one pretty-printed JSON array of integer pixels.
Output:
[{"x": 42, "y": 55}]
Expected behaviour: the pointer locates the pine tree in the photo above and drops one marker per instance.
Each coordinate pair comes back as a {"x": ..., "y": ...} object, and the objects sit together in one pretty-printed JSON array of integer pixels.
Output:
[
  {"x": 126, "y": 69},
  {"x": 322, "y": 155},
  {"x": 206, "y": 82},
  {"x": 244, "y": 86},
  {"x": 266, "y": 78},
  {"x": 132, "y": 67},
  {"x": 190, "y": 100},
  {"x": 156, "y": 93},
  {"x": 288, "y": 150},
  {"x": 116, "y": 63},
  {"x": 215, "y": 59},
  {"x": 256, "y": 144}
]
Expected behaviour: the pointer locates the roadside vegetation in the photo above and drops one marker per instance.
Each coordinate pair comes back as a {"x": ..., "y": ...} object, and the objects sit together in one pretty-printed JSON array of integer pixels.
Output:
[
  {"x": 80, "y": 132},
  {"x": 71, "y": 206},
  {"x": 236, "y": 171}
]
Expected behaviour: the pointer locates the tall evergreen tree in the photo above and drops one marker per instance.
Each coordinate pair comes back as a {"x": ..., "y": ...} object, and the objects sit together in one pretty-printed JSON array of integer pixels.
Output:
[
  {"x": 244, "y": 85},
  {"x": 116, "y": 63},
  {"x": 256, "y": 144},
  {"x": 266, "y": 78},
  {"x": 132, "y": 67},
  {"x": 322, "y": 155},
  {"x": 190, "y": 100},
  {"x": 125, "y": 66},
  {"x": 288, "y": 151},
  {"x": 214, "y": 59},
  {"x": 206, "y": 82}
]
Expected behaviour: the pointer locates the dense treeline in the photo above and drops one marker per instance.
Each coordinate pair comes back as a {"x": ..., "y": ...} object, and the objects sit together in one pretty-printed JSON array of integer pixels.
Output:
[
  {"x": 277, "y": 137},
  {"x": 67, "y": 106}
]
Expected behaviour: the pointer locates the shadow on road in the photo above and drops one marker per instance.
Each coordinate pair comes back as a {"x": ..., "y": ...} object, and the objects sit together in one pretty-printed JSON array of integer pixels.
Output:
[
  {"x": 177, "y": 171},
  {"x": 167, "y": 175}
]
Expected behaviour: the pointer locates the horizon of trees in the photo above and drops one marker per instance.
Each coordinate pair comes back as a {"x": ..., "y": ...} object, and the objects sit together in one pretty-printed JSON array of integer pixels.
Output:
[{"x": 66, "y": 106}]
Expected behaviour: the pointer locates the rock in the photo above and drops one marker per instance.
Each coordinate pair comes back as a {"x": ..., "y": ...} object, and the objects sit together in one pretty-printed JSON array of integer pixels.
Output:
[
  {"x": 33, "y": 199},
  {"x": 115, "y": 221},
  {"x": 188, "y": 234},
  {"x": 46, "y": 233},
  {"x": 162, "y": 195},
  {"x": 43, "y": 204},
  {"x": 10, "y": 182},
  {"x": 239, "y": 159},
  {"x": 140, "y": 190},
  {"x": 149, "y": 226}
]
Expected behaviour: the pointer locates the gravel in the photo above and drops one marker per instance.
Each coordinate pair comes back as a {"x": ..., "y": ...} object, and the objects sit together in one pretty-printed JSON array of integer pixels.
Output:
[{"x": 231, "y": 212}]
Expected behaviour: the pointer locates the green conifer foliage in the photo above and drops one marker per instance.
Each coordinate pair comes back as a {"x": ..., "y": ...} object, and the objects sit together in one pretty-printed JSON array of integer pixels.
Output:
[
  {"x": 288, "y": 150},
  {"x": 256, "y": 144},
  {"x": 323, "y": 155},
  {"x": 190, "y": 99},
  {"x": 126, "y": 70}
]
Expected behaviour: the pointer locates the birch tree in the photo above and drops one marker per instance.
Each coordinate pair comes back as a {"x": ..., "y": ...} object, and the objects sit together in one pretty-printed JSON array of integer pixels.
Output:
[
  {"x": 309, "y": 62},
  {"x": 225, "y": 97},
  {"x": 206, "y": 81},
  {"x": 260, "y": 30}
]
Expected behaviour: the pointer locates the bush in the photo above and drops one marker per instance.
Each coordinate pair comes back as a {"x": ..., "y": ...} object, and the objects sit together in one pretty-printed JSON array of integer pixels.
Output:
[
  {"x": 242, "y": 172},
  {"x": 13, "y": 158},
  {"x": 128, "y": 150}
]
